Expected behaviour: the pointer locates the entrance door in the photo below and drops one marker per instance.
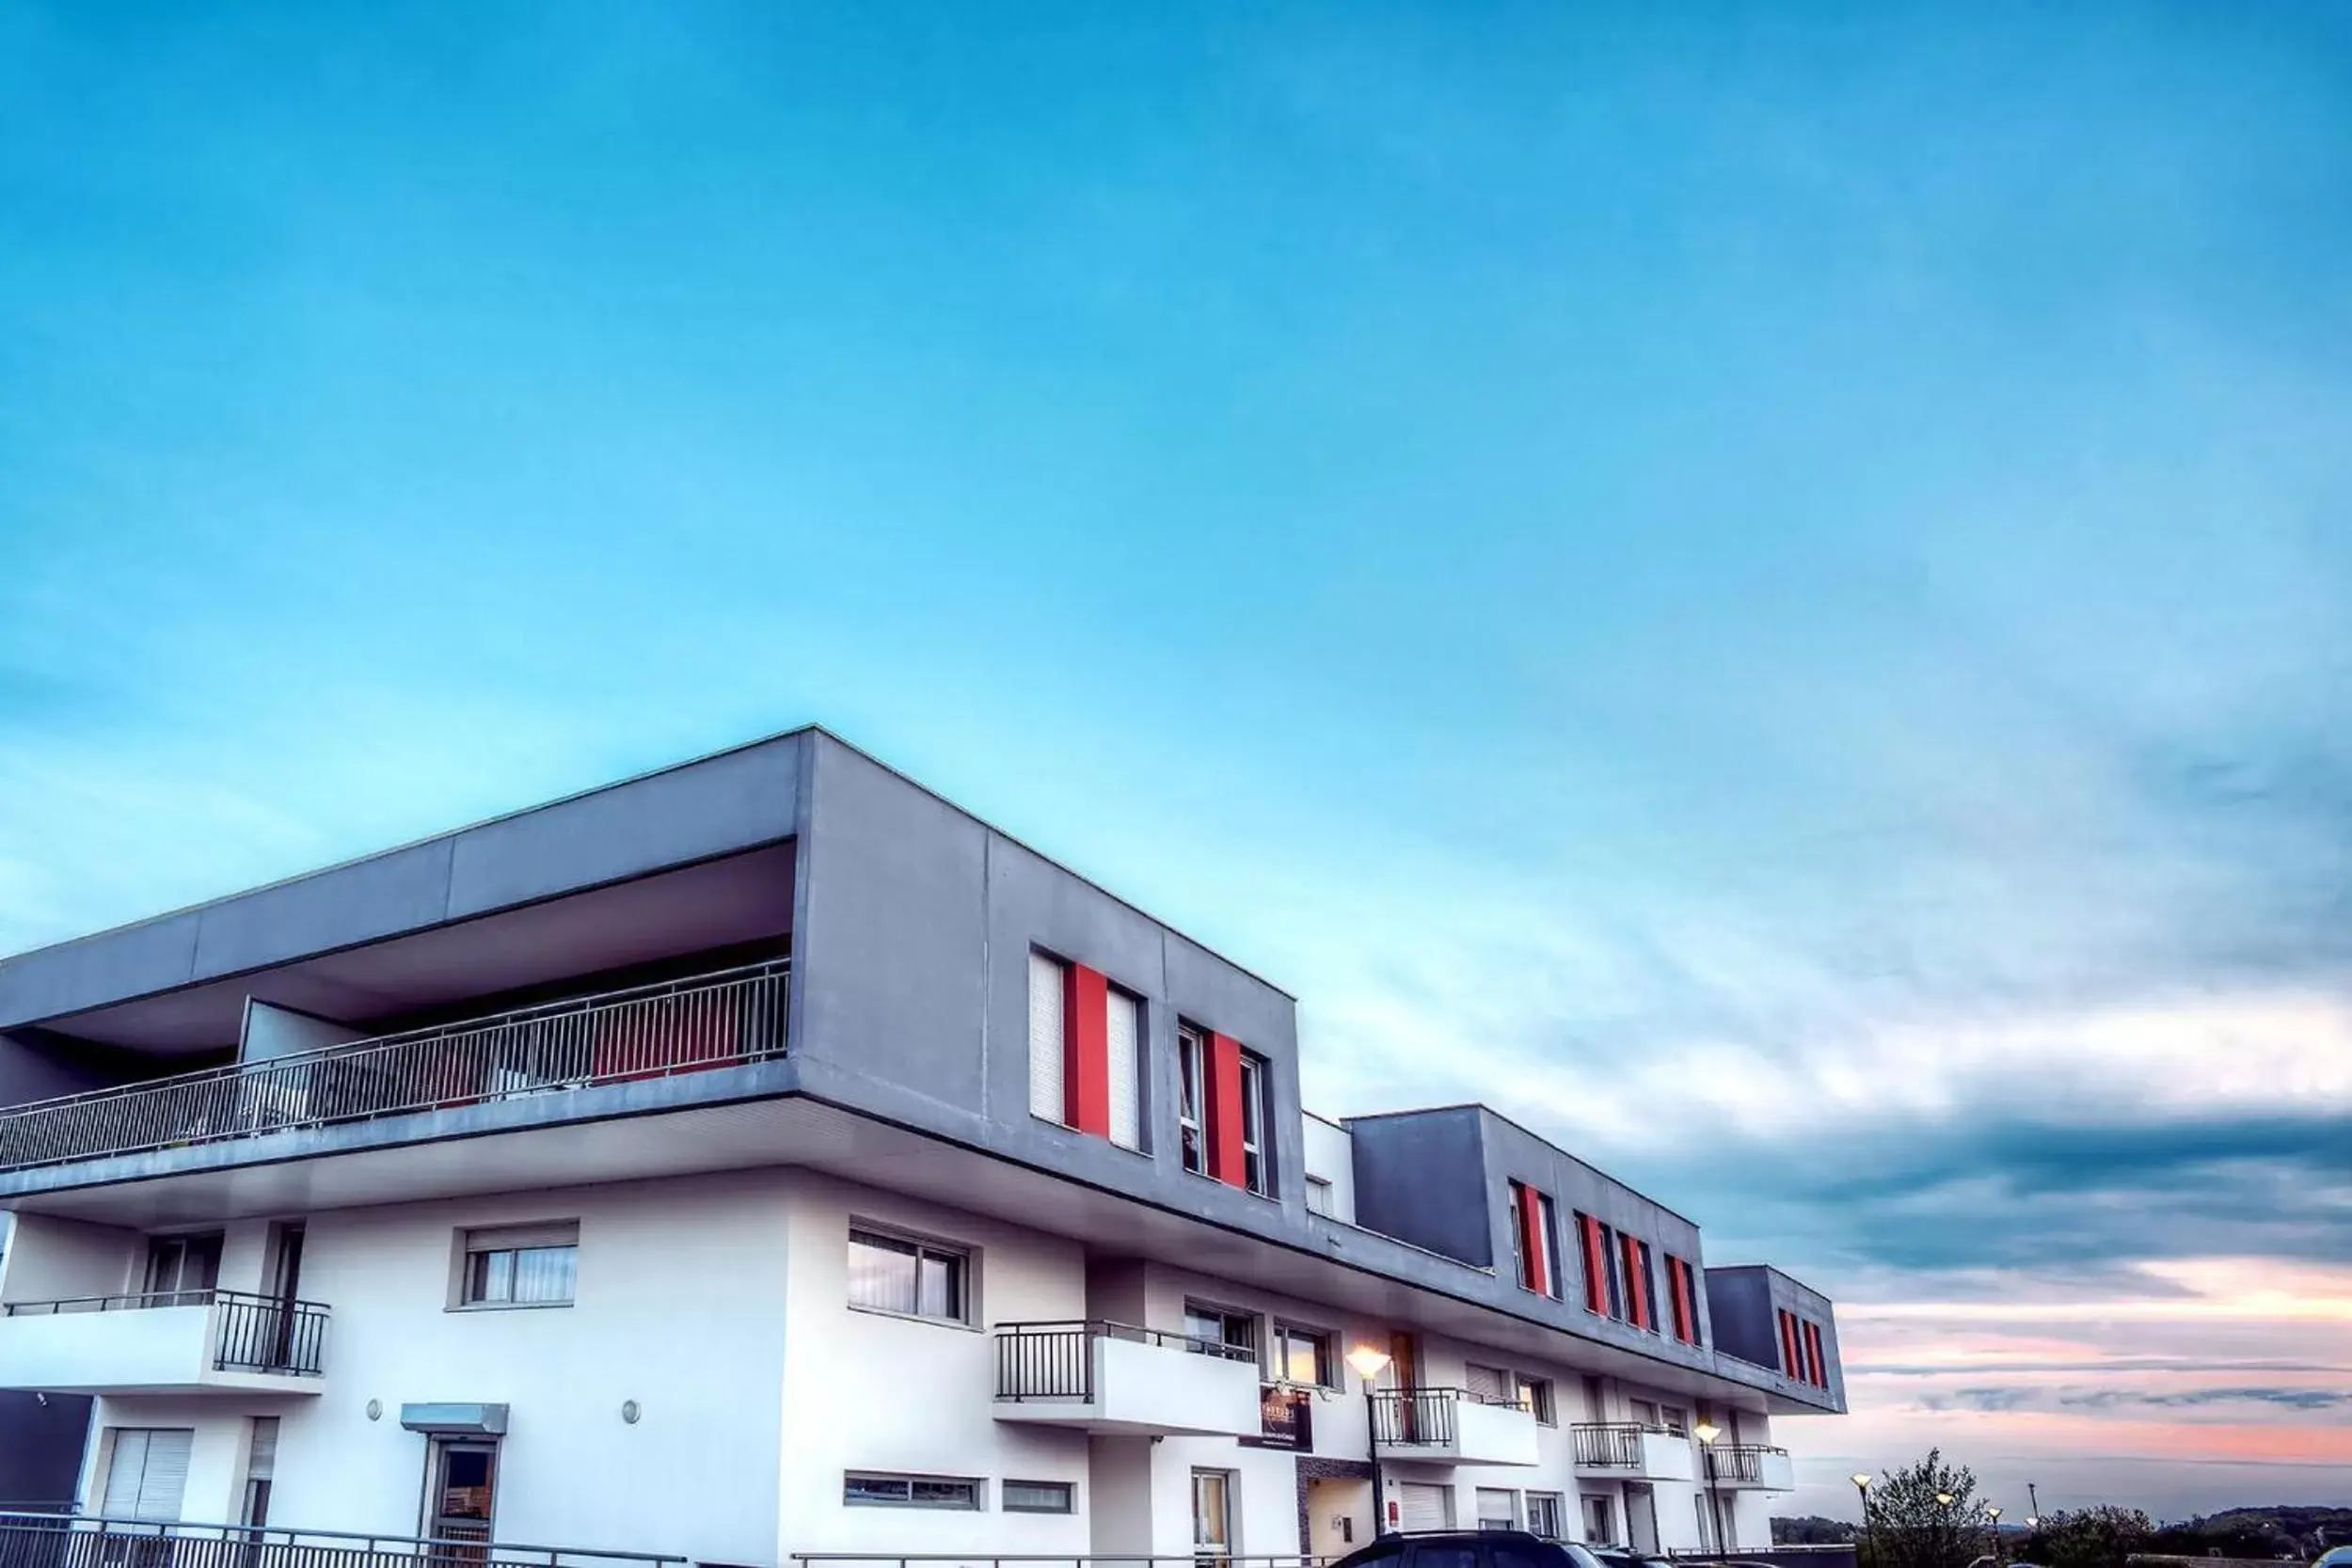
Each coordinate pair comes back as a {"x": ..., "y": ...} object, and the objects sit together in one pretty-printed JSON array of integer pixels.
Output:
[
  {"x": 1212, "y": 1518},
  {"x": 1601, "y": 1519},
  {"x": 285, "y": 1287},
  {"x": 1404, "y": 1377},
  {"x": 461, "y": 1488},
  {"x": 1640, "y": 1518}
]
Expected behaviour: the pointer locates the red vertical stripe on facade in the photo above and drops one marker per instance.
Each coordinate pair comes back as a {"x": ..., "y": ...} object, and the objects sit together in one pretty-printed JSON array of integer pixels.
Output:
[
  {"x": 1225, "y": 1156},
  {"x": 1685, "y": 1322},
  {"x": 1595, "y": 1266},
  {"x": 1792, "y": 1359},
  {"x": 1636, "y": 1283},
  {"x": 1085, "y": 1063},
  {"x": 1532, "y": 1237},
  {"x": 1816, "y": 1369}
]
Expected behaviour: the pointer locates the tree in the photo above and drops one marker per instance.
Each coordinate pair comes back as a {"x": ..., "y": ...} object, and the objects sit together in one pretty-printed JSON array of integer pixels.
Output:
[
  {"x": 2090, "y": 1538},
  {"x": 1925, "y": 1515}
]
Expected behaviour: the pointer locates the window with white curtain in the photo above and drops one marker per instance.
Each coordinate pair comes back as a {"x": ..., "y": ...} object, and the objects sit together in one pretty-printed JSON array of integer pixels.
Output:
[
  {"x": 915, "y": 1280},
  {"x": 521, "y": 1265}
]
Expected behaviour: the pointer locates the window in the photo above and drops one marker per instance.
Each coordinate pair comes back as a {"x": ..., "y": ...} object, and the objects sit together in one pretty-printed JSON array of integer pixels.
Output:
[
  {"x": 1049, "y": 988},
  {"x": 1543, "y": 1514},
  {"x": 1256, "y": 1165},
  {"x": 1301, "y": 1357},
  {"x": 1498, "y": 1508},
  {"x": 261, "y": 1468},
  {"x": 1682, "y": 1293},
  {"x": 1212, "y": 1328},
  {"x": 1536, "y": 1399},
  {"x": 916, "y": 1279},
  {"x": 180, "y": 1266},
  {"x": 1192, "y": 1058},
  {"x": 1675, "y": 1419},
  {"x": 1213, "y": 1515},
  {"x": 1487, "y": 1385},
  {"x": 461, "y": 1494},
  {"x": 521, "y": 1265},
  {"x": 148, "y": 1472},
  {"x": 1318, "y": 1194},
  {"x": 861, "y": 1489},
  {"x": 1041, "y": 1496},
  {"x": 1124, "y": 1044},
  {"x": 1547, "y": 1226}
]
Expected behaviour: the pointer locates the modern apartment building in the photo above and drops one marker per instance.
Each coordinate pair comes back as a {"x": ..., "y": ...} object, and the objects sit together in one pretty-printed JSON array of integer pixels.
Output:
[{"x": 763, "y": 1159}]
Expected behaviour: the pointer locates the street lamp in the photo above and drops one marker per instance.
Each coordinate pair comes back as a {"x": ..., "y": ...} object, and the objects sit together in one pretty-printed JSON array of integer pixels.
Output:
[
  {"x": 1706, "y": 1432},
  {"x": 1861, "y": 1480},
  {"x": 1369, "y": 1362},
  {"x": 1992, "y": 1512}
]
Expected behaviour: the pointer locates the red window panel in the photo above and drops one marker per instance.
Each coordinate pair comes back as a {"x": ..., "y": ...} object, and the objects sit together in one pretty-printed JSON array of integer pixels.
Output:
[
  {"x": 1686, "y": 1320},
  {"x": 1636, "y": 1282},
  {"x": 1817, "y": 1369},
  {"x": 1532, "y": 1270},
  {"x": 1225, "y": 1152},
  {"x": 1086, "y": 1075},
  {"x": 1791, "y": 1356},
  {"x": 1596, "y": 1265}
]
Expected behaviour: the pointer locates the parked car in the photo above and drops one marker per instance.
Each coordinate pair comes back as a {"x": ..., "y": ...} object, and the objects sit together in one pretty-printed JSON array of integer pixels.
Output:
[
  {"x": 1468, "y": 1549},
  {"x": 2334, "y": 1557},
  {"x": 1625, "y": 1557}
]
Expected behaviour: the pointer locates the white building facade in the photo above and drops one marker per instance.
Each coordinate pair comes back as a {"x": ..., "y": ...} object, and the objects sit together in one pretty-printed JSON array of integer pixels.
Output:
[{"x": 763, "y": 1161}]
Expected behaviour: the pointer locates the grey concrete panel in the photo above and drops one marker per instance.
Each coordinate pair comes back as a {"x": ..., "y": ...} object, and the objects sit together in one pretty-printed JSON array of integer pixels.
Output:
[
  {"x": 33, "y": 1066},
  {"x": 891, "y": 968},
  {"x": 1422, "y": 1177},
  {"x": 154, "y": 956},
  {"x": 706, "y": 808},
  {"x": 43, "y": 1437},
  {"x": 361, "y": 902},
  {"x": 1740, "y": 1300}
]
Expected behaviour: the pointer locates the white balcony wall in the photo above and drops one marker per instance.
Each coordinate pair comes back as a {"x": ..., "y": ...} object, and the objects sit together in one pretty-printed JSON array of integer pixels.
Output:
[
  {"x": 146, "y": 1350},
  {"x": 54, "y": 1259}
]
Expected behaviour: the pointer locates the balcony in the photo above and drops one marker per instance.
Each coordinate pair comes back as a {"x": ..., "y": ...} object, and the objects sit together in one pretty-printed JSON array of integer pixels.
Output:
[
  {"x": 1749, "y": 1468},
  {"x": 176, "y": 1342},
  {"x": 1628, "y": 1451},
  {"x": 655, "y": 1031},
  {"x": 1112, "y": 1377},
  {"x": 1451, "y": 1426}
]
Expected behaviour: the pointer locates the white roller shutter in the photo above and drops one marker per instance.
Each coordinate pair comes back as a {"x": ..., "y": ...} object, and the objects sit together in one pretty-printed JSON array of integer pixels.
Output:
[
  {"x": 1488, "y": 1383},
  {"x": 148, "y": 1475},
  {"x": 1421, "y": 1505},
  {"x": 1126, "y": 1099},
  {"x": 1045, "y": 1038}
]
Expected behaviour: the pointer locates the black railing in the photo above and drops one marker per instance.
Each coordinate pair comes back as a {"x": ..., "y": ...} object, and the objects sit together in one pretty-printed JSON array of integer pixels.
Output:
[
  {"x": 264, "y": 1334},
  {"x": 1286, "y": 1417},
  {"x": 1738, "y": 1461},
  {"x": 708, "y": 1020},
  {"x": 1056, "y": 1360},
  {"x": 1608, "y": 1446},
  {"x": 42, "y": 1540},
  {"x": 251, "y": 1332}
]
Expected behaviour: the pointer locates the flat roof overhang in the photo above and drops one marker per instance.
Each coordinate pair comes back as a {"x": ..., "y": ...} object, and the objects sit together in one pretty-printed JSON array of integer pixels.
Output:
[{"x": 750, "y": 1117}]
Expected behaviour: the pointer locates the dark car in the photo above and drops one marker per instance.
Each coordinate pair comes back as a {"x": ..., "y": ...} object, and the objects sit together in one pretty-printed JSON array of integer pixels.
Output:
[
  {"x": 1625, "y": 1557},
  {"x": 1468, "y": 1549}
]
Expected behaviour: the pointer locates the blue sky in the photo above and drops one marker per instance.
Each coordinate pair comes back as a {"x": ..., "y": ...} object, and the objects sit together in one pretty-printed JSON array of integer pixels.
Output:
[{"x": 1766, "y": 589}]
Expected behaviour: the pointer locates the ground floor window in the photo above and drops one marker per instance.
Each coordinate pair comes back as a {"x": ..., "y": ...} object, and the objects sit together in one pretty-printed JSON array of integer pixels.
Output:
[
  {"x": 1498, "y": 1508},
  {"x": 1041, "y": 1496},
  {"x": 1213, "y": 1516},
  {"x": 1543, "y": 1514},
  {"x": 1601, "y": 1519},
  {"x": 862, "y": 1489},
  {"x": 148, "y": 1472}
]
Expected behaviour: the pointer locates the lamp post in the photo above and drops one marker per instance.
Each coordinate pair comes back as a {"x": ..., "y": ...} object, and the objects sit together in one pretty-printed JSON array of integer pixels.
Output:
[
  {"x": 1944, "y": 1522},
  {"x": 1369, "y": 1363},
  {"x": 2033, "y": 1503},
  {"x": 1993, "y": 1512},
  {"x": 1861, "y": 1480},
  {"x": 1706, "y": 1432}
]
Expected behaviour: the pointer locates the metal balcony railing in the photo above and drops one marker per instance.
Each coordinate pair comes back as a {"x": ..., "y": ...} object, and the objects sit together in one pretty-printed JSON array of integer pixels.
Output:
[
  {"x": 1608, "y": 1444},
  {"x": 1414, "y": 1416},
  {"x": 34, "y": 1540},
  {"x": 644, "y": 1031},
  {"x": 1056, "y": 1360},
  {"x": 1738, "y": 1461},
  {"x": 251, "y": 1332}
]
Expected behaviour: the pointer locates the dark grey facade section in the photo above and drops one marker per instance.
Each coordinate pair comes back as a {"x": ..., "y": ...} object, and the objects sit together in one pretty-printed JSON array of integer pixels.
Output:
[
  {"x": 43, "y": 1437},
  {"x": 33, "y": 1065},
  {"x": 1746, "y": 1301},
  {"x": 1420, "y": 1177}
]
